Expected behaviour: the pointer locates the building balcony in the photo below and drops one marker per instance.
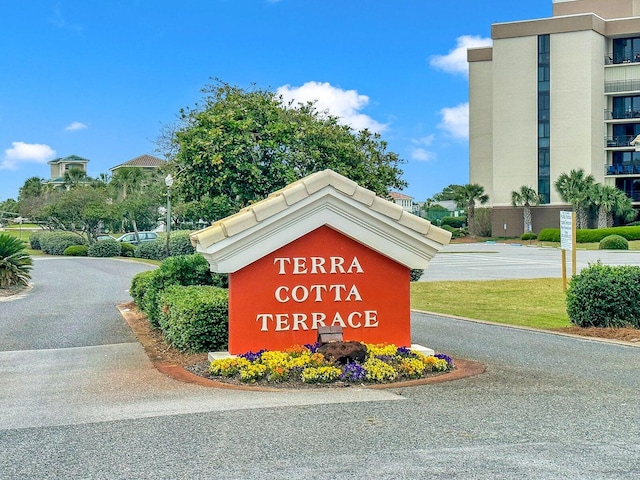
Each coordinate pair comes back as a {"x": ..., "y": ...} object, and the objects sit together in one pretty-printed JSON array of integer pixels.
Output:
[
  {"x": 619, "y": 141},
  {"x": 619, "y": 86},
  {"x": 620, "y": 169},
  {"x": 621, "y": 59},
  {"x": 622, "y": 114}
]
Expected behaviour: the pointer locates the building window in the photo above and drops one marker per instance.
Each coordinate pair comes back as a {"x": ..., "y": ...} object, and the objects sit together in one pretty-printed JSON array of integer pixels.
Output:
[
  {"x": 626, "y": 50},
  {"x": 544, "y": 125}
]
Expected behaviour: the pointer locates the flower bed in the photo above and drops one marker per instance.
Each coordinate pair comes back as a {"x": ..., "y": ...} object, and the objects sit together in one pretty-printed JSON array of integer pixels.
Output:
[{"x": 384, "y": 363}]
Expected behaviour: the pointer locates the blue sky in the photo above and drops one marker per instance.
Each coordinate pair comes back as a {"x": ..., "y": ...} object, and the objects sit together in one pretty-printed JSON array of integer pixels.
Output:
[{"x": 98, "y": 79}]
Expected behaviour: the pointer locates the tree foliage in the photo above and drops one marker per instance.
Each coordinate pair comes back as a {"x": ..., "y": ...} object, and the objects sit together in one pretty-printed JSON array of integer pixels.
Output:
[
  {"x": 468, "y": 195},
  {"x": 574, "y": 188},
  {"x": 526, "y": 197},
  {"x": 241, "y": 145}
]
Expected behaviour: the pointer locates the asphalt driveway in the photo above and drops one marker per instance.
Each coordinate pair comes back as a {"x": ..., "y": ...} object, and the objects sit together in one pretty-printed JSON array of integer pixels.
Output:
[{"x": 78, "y": 404}]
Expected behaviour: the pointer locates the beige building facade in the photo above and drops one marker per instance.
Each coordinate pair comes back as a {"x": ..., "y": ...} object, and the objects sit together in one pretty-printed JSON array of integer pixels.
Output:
[{"x": 552, "y": 95}]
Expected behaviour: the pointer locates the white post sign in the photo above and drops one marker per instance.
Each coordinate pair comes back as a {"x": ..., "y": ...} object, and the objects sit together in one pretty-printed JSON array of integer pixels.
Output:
[{"x": 566, "y": 230}]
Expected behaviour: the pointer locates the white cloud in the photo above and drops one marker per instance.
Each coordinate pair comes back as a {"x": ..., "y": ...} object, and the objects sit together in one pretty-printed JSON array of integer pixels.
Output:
[
  {"x": 422, "y": 155},
  {"x": 344, "y": 104},
  {"x": 73, "y": 126},
  {"x": 455, "y": 121},
  {"x": 456, "y": 60},
  {"x": 21, "y": 152}
]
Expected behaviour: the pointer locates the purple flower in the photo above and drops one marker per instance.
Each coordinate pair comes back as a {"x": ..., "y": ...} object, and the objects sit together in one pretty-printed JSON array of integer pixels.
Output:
[
  {"x": 352, "y": 372},
  {"x": 251, "y": 356},
  {"x": 405, "y": 352},
  {"x": 444, "y": 357},
  {"x": 313, "y": 347}
]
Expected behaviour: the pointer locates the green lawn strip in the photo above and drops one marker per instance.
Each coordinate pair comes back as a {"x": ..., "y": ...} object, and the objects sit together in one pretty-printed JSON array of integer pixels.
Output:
[{"x": 537, "y": 303}]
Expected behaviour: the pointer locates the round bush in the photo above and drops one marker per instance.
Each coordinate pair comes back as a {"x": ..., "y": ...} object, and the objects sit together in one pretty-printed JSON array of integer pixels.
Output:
[
  {"x": 528, "y": 236},
  {"x": 180, "y": 243},
  {"x": 151, "y": 250},
  {"x": 55, "y": 243},
  {"x": 455, "y": 222},
  {"x": 104, "y": 248},
  {"x": 614, "y": 242},
  {"x": 76, "y": 251},
  {"x": 127, "y": 250},
  {"x": 605, "y": 296},
  {"x": 34, "y": 240}
]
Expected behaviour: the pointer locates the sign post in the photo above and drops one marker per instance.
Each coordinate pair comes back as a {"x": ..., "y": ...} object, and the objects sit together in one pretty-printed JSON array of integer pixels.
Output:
[{"x": 567, "y": 242}]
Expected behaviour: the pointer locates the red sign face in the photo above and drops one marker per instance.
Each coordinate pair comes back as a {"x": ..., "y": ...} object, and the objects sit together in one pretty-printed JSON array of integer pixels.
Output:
[{"x": 322, "y": 279}]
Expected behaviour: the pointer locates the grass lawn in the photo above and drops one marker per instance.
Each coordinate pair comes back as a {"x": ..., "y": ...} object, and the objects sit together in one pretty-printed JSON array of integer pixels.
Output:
[{"x": 538, "y": 303}]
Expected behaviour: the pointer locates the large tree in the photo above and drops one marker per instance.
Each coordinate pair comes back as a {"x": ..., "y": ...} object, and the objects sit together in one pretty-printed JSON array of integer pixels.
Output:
[
  {"x": 526, "y": 197},
  {"x": 468, "y": 195},
  {"x": 240, "y": 145},
  {"x": 574, "y": 188}
]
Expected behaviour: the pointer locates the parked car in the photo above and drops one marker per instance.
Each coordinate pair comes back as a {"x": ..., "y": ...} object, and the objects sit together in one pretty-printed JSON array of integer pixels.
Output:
[
  {"x": 104, "y": 237},
  {"x": 131, "y": 237}
]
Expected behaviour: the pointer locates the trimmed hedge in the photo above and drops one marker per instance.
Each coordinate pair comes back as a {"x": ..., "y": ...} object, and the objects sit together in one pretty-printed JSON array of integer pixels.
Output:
[
  {"x": 591, "y": 235},
  {"x": 139, "y": 286},
  {"x": 127, "y": 250},
  {"x": 76, "y": 251},
  {"x": 34, "y": 240},
  {"x": 55, "y": 243},
  {"x": 151, "y": 250},
  {"x": 455, "y": 222},
  {"x": 613, "y": 242},
  {"x": 195, "y": 318},
  {"x": 528, "y": 236},
  {"x": 605, "y": 296},
  {"x": 180, "y": 243},
  {"x": 181, "y": 270},
  {"x": 105, "y": 248}
]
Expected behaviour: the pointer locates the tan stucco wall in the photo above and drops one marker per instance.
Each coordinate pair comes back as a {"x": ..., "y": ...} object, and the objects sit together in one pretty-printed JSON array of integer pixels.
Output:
[
  {"x": 481, "y": 125},
  {"x": 515, "y": 141},
  {"x": 577, "y": 105},
  {"x": 604, "y": 8}
]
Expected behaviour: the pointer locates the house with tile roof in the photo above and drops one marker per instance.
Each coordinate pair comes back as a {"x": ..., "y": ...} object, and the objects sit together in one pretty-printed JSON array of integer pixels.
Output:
[
  {"x": 405, "y": 201},
  {"x": 60, "y": 166},
  {"x": 145, "y": 162}
]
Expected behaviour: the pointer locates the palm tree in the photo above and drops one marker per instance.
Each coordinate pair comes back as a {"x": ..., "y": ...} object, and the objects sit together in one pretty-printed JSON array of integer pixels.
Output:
[
  {"x": 468, "y": 195},
  {"x": 15, "y": 262},
  {"x": 610, "y": 200},
  {"x": 526, "y": 197},
  {"x": 127, "y": 179},
  {"x": 74, "y": 177},
  {"x": 574, "y": 188}
]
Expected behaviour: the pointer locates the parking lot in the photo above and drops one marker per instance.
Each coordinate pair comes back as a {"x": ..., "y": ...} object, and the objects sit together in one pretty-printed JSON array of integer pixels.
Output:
[{"x": 486, "y": 261}]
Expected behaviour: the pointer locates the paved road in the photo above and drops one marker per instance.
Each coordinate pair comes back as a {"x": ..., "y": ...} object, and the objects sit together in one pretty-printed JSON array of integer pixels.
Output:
[
  {"x": 483, "y": 261},
  {"x": 548, "y": 407}
]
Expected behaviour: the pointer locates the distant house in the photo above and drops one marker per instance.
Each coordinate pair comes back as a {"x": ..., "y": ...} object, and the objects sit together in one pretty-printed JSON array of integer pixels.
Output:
[
  {"x": 405, "y": 201},
  {"x": 60, "y": 166},
  {"x": 145, "y": 162}
]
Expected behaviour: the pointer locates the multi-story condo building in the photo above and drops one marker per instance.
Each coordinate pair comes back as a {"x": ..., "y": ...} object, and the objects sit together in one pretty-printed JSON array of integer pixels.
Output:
[{"x": 552, "y": 95}]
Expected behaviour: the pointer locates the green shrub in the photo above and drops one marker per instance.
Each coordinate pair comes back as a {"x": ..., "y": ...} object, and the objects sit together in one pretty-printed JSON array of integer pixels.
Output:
[
  {"x": 180, "y": 243},
  {"x": 549, "y": 235},
  {"x": 76, "y": 251},
  {"x": 455, "y": 222},
  {"x": 528, "y": 236},
  {"x": 181, "y": 270},
  {"x": 55, "y": 243},
  {"x": 613, "y": 242},
  {"x": 34, "y": 240},
  {"x": 155, "y": 250},
  {"x": 591, "y": 235},
  {"x": 15, "y": 262},
  {"x": 104, "y": 248},
  {"x": 139, "y": 285},
  {"x": 605, "y": 296},
  {"x": 127, "y": 250},
  {"x": 415, "y": 274},
  {"x": 195, "y": 318},
  {"x": 455, "y": 232}
]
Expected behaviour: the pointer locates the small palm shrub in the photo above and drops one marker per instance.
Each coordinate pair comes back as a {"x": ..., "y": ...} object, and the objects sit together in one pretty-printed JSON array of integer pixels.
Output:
[
  {"x": 15, "y": 262},
  {"x": 76, "y": 251},
  {"x": 614, "y": 242},
  {"x": 605, "y": 296},
  {"x": 104, "y": 248}
]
